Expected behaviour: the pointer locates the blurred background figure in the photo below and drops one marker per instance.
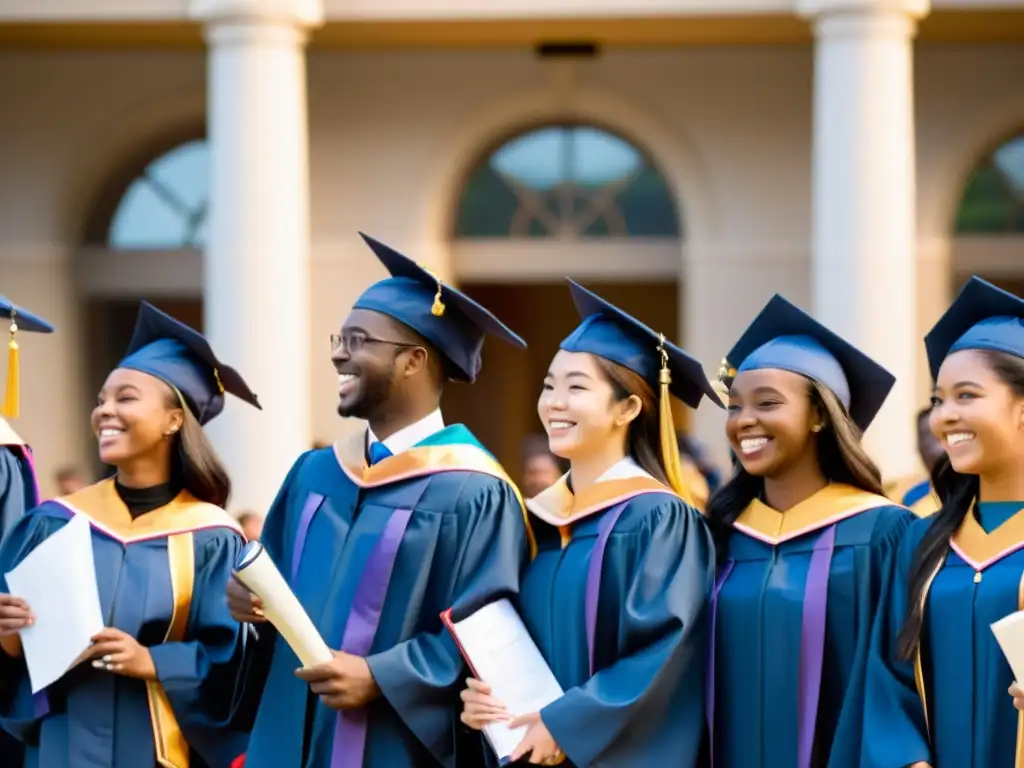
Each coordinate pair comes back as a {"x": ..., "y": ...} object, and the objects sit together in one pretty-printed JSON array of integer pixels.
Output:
[
  {"x": 928, "y": 445},
  {"x": 915, "y": 491},
  {"x": 252, "y": 525},
  {"x": 702, "y": 478},
  {"x": 69, "y": 480},
  {"x": 541, "y": 468}
]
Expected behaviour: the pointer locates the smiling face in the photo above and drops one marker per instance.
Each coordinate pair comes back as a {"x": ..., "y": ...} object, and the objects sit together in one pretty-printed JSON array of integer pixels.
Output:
[
  {"x": 366, "y": 361},
  {"x": 134, "y": 415},
  {"x": 976, "y": 415},
  {"x": 580, "y": 409},
  {"x": 770, "y": 421}
]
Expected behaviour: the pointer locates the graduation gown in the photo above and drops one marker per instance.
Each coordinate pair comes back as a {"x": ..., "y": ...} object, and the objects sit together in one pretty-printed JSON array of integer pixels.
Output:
[
  {"x": 19, "y": 489},
  {"x": 795, "y": 600},
  {"x": 375, "y": 554},
  {"x": 161, "y": 579},
  {"x": 616, "y": 601},
  {"x": 948, "y": 705},
  {"x": 19, "y": 492}
]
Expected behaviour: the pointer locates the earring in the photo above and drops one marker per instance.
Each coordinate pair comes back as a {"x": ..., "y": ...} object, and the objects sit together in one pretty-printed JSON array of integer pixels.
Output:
[{"x": 816, "y": 428}]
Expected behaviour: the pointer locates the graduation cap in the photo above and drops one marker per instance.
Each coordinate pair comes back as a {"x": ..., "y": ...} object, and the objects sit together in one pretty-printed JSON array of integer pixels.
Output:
[
  {"x": 981, "y": 317},
  {"x": 181, "y": 357},
  {"x": 21, "y": 320},
  {"x": 611, "y": 333},
  {"x": 451, "y": 321},
  {"x": 786, "y": 338}
]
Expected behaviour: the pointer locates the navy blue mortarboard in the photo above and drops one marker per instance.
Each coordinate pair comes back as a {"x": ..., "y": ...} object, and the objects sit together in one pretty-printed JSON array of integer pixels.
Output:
[
  {"x": 608, "y": 332},
  {"x": 181, "y": 357},
  {"x": 21, "y": 320},
  {"x": 981, "y": 317},
  {"x": 25, "y": 320},
  {"x": 786, "y": 338},
  {"x": 451, "y": 321}
]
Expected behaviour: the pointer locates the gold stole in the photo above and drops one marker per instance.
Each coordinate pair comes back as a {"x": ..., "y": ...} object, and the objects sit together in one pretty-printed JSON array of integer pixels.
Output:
[{"x": 171, "y": 747}]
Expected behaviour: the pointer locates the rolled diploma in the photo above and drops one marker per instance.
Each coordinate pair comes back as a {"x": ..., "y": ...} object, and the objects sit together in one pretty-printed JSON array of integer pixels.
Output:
[{"x": 257, "y": 573}]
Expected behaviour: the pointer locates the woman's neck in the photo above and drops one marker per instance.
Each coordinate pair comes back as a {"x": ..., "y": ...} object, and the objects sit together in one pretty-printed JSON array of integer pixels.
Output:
[
  {"x": 144, "y": 473},
  {"x": 585, "y": 471},
  {"x": 1006, "y": 484},
  {"x": 796, "y": 484}
]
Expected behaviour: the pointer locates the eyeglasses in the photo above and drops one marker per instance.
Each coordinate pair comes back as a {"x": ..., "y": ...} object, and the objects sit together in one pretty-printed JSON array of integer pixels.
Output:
[{"x": 353, "y": 341}]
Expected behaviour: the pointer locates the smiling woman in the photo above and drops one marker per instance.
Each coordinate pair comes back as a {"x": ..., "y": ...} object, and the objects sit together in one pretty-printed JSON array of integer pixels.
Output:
[
  {"x": 162, "y": 671},
  {"x": 615, "y": 597},
  {"x": 959, "y": 572},
  {"x": 804, "y": 536}
]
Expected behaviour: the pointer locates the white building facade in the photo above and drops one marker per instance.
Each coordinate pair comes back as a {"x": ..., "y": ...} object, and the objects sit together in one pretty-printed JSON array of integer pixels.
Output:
[{"x": 219, "y": 156}]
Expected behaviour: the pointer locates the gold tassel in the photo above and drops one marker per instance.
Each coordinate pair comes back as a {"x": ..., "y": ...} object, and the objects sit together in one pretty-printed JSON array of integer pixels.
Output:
[
  {"x": 438, "y": 307},
  {"x": 725, "y": 371},
  {"x": 12, "y": 399},
  {"x": 669, "y": 443}
]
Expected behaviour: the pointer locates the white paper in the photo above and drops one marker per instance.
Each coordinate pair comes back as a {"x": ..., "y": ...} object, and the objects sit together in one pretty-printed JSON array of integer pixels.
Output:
[
  {"x": 1009, "y": 633},
  {"x": 58, "y": 581},
  {"x": 504, "y": 656},
  {"x": 260, "y": 576}
]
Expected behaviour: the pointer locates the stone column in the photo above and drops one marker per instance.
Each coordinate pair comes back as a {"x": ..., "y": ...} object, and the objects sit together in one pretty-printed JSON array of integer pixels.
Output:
[
  {"x": 863, "y": 218},
  {"x": 256, "y": 269}
]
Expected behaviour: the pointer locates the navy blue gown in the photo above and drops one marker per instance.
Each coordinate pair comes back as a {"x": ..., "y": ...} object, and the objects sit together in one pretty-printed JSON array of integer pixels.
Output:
[
  {"x": 795, "y": 600},
  {"x": 948, "y": 705},
  {"x": 436, "y": 527}
]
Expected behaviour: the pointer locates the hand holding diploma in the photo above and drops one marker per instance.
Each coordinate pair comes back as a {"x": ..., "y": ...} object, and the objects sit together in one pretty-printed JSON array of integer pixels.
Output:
[
  {"x": 538, "y": 742},
  {"x": 116, "y": 651},
  {"x": 15, "y": 615},
  {"x": 480, "y": 709},
  {"x": 244, "y": 606},
  {"x": 345, "y": 682},
  {"x": 262, "y": 594}
]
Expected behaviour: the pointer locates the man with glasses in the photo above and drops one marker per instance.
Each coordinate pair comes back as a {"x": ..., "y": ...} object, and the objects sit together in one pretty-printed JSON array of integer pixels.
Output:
[{"x": 382, "y": 533}]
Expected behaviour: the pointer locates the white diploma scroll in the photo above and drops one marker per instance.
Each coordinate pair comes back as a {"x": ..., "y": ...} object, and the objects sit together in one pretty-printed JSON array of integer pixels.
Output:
[
  {"x": 499, "y": 650},
  {"x": 1009, "y": 632},
  {"x": 257, "y": 573}
]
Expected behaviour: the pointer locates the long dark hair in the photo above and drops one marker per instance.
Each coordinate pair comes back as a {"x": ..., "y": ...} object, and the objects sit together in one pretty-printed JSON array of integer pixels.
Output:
[
  {"x": 645, "y": 430},
  {"x": 841, "y": 457},
  {"x": 958, "y": 494},
  {"x": 195, "y": 465}
]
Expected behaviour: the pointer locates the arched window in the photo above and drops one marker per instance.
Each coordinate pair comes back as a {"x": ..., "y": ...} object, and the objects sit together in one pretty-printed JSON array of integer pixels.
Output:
[
  {"x": 993, "y": 199},
  {"x": 568, "y": 182},
  {"x": 165, "y": 207}
]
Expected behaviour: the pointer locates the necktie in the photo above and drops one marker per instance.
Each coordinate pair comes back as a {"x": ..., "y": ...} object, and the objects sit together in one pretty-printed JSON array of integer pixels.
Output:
[{"x": 378, "y": 451}]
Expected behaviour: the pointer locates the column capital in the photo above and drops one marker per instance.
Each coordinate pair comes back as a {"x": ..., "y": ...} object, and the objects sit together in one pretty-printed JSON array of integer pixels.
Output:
[
  {"x": 300, "y": 13},
  {"x": 912, "y": 9}
]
